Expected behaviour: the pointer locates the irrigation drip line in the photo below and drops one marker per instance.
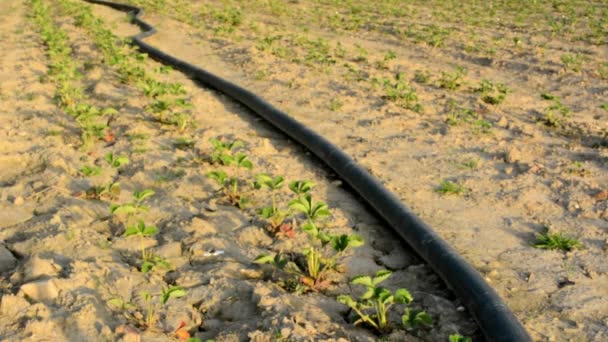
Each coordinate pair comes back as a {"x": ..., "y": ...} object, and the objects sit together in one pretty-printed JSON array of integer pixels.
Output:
[{"x": 495, "y": 319}]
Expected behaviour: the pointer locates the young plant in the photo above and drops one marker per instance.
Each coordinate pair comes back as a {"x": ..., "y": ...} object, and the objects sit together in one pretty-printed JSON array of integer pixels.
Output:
[
  {"x": 452, "y": 80},
  {"x": 373, "y": 306},
  {"x": 111, "y": 191},
  {"x": 414, "y": 319},
  {"x": 152, "y": 308},
  {"x": 401, "y": 92},
  {"x": 116, "y": 161},
  {"x": 222, "y": 148},
  {"x": 556, "y": 113},
  {"x": 142, "y": 230},
  {"x": 272, "y": 214},
  {"x": 447, "y": 187},
  {"x": 318, "y": 261},
  {"x": 135, "y": 206},
  {"x": 90, "y": 170},
  {"x": 492, "y": 93},
  {"x": 301, "y": 187},
  {"x": 553, "y": 241},
  {"x": 312, "y": 210},
  {"x": 230, "y": 188}
]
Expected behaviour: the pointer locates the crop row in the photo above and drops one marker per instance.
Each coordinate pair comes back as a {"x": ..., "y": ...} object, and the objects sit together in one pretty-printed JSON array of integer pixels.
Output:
[{"x": 260, "y": 195}]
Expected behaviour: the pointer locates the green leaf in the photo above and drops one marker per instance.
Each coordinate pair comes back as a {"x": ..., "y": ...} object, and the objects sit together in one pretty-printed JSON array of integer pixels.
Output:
[
  {"x": 300, "y": 204},
  {"x": 146, "y": 266},
  {"x": 301, "y": 186},
  {"x": 219, "y": 176},
  {"x": 403, "y": 296},
  {"x": 150, "y": 230},
  {"x": 368, "y": 294},
  {"x": 347, "y": 300},
  {"x": 130, "y": 231},
  {"x": 264, "y": 259},
  {"x": 342, "y": 242},
  {"x": 125, "y": 209},
  {"x": 310, "y": 229},
  {"x": 172, "y": 292},
  {"x": 140, "y": 196},
  {"x": 384, "y": 296},
  {"x": 362, "y": 280},
  {"x": 381, "y": 276}
]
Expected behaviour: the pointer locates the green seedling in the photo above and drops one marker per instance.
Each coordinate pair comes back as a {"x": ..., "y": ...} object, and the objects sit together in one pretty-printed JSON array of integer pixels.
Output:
[
  {"x": 166, "y": 294},
  {"x": 492, "y": 93},
  {"x": 111, "y": 191},
  {"x": 116, "y": 161},
  {"x": 318, "y": 260},
  {"x": 240, "y": 160},
  {"x": 373, "y": 306},
  {"x": 414, "y": 319},
  {"x": 573, "y": 62},
  {"x": 553, "y": 241},
  {"x": 301, "y": 187},
  {"x": 90, "y": 170},
  {"x": 154, "y": 261},
  {"x": 273, "y": 215},
  {"x": 223, "y": 148},
  {"x": 470, "y": 164},
  {"x": 401, "y": 92},
  {"x": 447, "y": 187},
  {"x": 230, "y": 188},
  {"x": 604, "y": 106},
  {"x": 135, "y": 206},
  {"x": 556, "y": 113},
  {"x": 452, "y": 80},
  {"x": 142, "y": 230},
  {"x": 306, "y": 205},
  {"x": 459, "y": 338}
]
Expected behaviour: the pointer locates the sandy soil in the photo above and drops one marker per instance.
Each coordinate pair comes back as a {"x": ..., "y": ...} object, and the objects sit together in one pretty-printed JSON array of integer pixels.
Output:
[
  {"x": 327, "y": 63},
  {"x": 67, "y": 274}
]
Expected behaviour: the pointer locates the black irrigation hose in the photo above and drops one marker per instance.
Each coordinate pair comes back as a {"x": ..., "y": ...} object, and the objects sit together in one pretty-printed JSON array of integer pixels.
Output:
[{"x": 495, "y": 319}]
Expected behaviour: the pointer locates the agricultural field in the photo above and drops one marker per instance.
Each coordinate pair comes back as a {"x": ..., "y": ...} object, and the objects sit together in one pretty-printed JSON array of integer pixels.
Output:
[{"x": 138, "y": 205}]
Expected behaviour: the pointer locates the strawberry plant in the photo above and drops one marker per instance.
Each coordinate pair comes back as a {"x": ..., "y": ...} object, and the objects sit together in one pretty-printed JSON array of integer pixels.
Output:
[
  {"x": 142, "y": 230},
  {"x": 373, "y": 305},
  {"x": 116, "y": 161},
  {"x": 151, "y": 310},
  {"x": 230, "y": 188},
  {"x": 273, "y": 214},
  {"x": 313, "y": 210},
  {"x": 134, "y": 207},
  {"x": 222, "y": 149},
  {"x": 301, "y": 187},
  {"x": 90, "y": 170}
]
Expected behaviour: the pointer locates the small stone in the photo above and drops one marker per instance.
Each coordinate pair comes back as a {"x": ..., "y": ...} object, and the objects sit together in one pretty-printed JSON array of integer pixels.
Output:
[
  {"x": 19, "y": 200},
  {"x": 40, "y": 290},
  {"x": 7, "y": 259}
]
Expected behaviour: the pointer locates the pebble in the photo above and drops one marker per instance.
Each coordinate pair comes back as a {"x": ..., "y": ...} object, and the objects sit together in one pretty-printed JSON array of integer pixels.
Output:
[
  {"x": 7, "y": 259},
  {"x": 19, "y": 201}
]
